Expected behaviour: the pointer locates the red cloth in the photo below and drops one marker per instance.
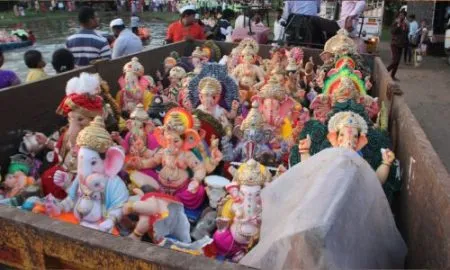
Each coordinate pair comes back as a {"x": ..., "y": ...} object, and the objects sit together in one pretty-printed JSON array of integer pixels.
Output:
[
  {"x": 87, "y": 102},
  {"x": 178, "y": 32},
  {"x": 48, "y": 186}
]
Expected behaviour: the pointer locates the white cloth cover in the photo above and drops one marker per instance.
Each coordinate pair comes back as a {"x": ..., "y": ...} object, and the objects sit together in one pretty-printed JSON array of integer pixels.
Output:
[{"x": 328, "y": 212}]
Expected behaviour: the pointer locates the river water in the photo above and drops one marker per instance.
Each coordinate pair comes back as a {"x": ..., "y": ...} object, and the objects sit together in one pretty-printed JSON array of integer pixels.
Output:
[{"x": 51, "y": 35}]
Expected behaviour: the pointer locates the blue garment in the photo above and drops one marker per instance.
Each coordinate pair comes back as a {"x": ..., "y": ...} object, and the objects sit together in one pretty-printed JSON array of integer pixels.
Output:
[
  {"x": 127, "y": 43},
  {"x": 86, "y": 46},
  {"x": 301, "y": 7},
  {"x": 116, "y": 193},
  {"x": 413, "y": 28}
]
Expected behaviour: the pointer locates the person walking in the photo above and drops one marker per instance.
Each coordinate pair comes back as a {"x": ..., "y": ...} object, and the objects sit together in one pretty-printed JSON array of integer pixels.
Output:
[
  {"x": 127, "y": 42},
  {"x": 413, "y": 39},
  {"x": 399, "y": 32},
  {"x": 87, "y": 45},
  {"x": 186, "y": 28}
]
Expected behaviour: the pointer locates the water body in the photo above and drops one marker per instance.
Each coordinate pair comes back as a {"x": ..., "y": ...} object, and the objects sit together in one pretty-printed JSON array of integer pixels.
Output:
[{"x": 51, "y": 35}]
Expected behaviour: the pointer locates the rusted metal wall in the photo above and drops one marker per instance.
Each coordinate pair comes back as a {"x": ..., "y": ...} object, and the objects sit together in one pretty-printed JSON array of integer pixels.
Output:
[
  {"x": 32, "y": 241},
  {"x": 423, "y": 208},
  {"x": 30, "y": 106},
  {"x": 422, "y": 211}
]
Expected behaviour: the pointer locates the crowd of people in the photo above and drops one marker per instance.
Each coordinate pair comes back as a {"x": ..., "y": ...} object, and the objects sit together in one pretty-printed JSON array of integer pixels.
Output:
[
  {"x": 81, "y": 49},
  {"x": 408, "y": 38},
  {"x": 212, "y": 22}
]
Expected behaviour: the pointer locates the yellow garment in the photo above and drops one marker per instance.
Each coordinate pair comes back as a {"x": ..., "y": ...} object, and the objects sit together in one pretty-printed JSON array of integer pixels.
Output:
[
  {"x": 286, "y": 129},
  {"x": 122, "y": 124},
  {"x": 36, "y": 74},
  {"x": 227, "y": 211},
  {"x": 146, "y": 101}
]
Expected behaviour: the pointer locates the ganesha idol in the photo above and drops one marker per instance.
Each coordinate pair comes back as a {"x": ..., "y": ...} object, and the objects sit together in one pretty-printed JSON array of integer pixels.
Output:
[
  {"x": 276, "y": 107},
  {"x": 18, "y": 185},
  {"x": 349, "y": 130},
  {"x": 97, "y": 195},
  {"x": 177, "y": 138},
  {"x": 176, "y": 76},
  {"x": 80, "y": 106},
  {"x": 136, "y": 87},
  {"x": 248, "y": 74},
  {"x": 214, "y": 95},
  {"x": 254, "y": 141},
  {"x": 139, "y": 141},
  {"x": 198, "y": 58},
  {"x": 239, "y": 216},
  {"x": 342, "y": 45},
  {"x": 341, "y": 87}
]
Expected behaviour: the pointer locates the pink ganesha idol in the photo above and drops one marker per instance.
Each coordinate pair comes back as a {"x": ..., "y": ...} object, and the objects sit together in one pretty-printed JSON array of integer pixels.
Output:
[
  {"x": 239, "y": 214},
  {"x": 277, "y": 108},
  {"x": 136, "y": 87},
  {"x": 139, "y": 141},
  {"x": 177, "y": 137}
]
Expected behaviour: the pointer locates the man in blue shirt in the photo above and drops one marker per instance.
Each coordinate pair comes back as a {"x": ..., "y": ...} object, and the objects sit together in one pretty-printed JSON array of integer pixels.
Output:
[
  {"x": 127, "y": 42},
  {"x": 303, "y": 26},
  {"x": 87, "y": 45},
  {"x": 301, "y": 7}
]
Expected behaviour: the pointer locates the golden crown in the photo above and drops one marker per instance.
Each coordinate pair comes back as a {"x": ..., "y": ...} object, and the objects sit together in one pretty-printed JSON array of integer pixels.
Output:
[
  {"x": 251, "y": 45},
  {"x": 177, "y": 73},
  {"x": 139, "y": 113},
  {"x": 210, "y": 85},
  {"x": 134, "y": 66},
  {"x": 254, "y": 119},
  {"x": 273, "y": 89},
  {"x": 345, "y": 84},
  {"x": 340, "y": 43},
  {"x": 252, "y": 173},
  {"x": 347, "y": 119},
  {"x": 95, "y": 136},
  {"x": 198, "y": 52}
]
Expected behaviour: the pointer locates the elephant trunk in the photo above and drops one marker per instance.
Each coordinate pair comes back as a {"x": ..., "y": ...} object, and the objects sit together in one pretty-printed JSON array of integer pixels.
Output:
[{"x": 150, "y": 207}]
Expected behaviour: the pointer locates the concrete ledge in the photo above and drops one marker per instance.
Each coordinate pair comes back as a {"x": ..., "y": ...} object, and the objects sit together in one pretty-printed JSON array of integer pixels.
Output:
[{"x": 36, "y": 237}]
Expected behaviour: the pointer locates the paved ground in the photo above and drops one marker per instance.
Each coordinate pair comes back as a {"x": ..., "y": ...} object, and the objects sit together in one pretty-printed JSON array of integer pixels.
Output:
[{"x": 427, "y": 92}]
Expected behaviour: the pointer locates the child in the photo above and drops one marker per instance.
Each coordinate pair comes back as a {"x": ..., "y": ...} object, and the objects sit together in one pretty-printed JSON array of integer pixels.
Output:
[
  {"x": 7, "y": 78},
  {"x": 35, "y": 62},
  {"x": 63, "y": 60},
  {"x": 134, "y": 23}
]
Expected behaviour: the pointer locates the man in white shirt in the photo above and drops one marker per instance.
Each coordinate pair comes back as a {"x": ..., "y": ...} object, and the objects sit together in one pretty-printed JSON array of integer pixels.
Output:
[
  {"x": 351, "y": 10},
  {"x": 241, "y": 21},
  {"x": 126, "y": 43}
]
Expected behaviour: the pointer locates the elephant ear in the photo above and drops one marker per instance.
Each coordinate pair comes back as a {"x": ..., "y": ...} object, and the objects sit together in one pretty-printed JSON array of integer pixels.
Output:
[
  {"x": 332, "y": 72},
  {"x": 332, "y": 138},
  {"x": 358, "y": 73},
  {"x": 362, "y": 141},
  {"x": 191, "y": 139},
  {"x": 159, "y": 136},
  {"x": 260, "y": 101},
  {"x": 286, "y": 107},
  {"x": 114, "y": 161}
]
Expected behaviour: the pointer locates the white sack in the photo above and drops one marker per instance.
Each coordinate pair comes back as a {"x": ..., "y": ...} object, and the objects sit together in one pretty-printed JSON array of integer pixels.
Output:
[{"x": 327, "y": 212}]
